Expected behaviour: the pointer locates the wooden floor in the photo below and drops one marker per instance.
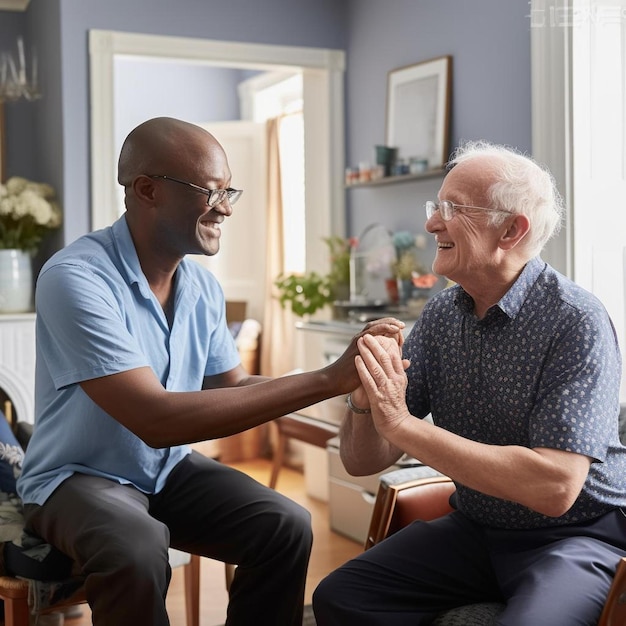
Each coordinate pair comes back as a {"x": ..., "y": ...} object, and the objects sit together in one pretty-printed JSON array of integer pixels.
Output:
[{"x": 329, "y": 551}]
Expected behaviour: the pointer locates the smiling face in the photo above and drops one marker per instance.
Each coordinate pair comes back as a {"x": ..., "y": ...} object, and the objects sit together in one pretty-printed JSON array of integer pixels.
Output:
[
  {"x": 185, "y": 222},
  {"x": 170, "y": 219},
  {"x": 467, "y": 246}
]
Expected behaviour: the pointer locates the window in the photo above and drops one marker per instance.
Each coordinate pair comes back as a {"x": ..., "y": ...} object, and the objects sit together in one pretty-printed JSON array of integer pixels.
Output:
[{"x": 579, "y": 131}]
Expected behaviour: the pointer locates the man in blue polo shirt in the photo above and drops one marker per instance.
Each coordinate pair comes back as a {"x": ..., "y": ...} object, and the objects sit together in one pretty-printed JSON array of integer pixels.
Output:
[{"x": 135, "y": 360}]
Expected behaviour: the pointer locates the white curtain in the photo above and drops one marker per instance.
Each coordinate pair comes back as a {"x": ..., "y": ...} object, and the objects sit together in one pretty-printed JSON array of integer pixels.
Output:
[{"x": 277, "y": 345}]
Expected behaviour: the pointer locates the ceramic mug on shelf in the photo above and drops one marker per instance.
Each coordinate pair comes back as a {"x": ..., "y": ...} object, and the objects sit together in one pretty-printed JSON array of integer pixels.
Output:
[{"x": 386, "y": 156}]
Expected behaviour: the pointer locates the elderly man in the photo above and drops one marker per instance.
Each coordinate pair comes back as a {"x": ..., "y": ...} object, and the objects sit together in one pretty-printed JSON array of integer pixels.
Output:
[{"x": 520, "y": 369}]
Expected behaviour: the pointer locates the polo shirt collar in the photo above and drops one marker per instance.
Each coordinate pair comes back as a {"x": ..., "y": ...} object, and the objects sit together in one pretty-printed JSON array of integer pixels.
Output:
[
  {"x": 127, "y": 257},
  {"x": 511, "y": 303},
  {"x": 186, "y": 287}
]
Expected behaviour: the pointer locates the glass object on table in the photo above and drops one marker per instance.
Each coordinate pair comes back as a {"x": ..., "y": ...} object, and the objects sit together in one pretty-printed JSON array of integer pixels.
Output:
[{"x": 370, "y": 266}]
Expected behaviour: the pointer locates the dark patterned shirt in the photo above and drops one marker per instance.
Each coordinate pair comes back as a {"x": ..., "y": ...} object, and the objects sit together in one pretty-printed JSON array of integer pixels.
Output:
[{"x": 541, "y": 369}]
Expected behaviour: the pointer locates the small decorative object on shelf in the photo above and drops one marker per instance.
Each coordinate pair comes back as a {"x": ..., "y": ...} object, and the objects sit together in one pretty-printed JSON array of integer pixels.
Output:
[
  {"x": 413, "y": 281},
  {"x": 352, "y": 177},
  {"x": 386, "y": 157},
  {"x": 28, "y": 211},
  {"x": 418, "y": 165}
]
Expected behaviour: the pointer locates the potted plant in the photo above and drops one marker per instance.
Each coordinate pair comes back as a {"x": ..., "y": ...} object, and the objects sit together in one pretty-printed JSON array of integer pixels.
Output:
[
  {"x": 28, "y": 210},
  {"x": 309, "y": 292}
]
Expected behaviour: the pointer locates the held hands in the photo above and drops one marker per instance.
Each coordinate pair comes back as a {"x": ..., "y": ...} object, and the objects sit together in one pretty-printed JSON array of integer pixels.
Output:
[
  {"x": 381, "y": 369},
  {"x": 344, "y": 368}
]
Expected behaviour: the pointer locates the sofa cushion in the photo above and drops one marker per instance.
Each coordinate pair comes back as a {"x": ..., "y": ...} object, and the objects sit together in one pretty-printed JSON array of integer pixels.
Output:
[{"x": 11, "y": 457}]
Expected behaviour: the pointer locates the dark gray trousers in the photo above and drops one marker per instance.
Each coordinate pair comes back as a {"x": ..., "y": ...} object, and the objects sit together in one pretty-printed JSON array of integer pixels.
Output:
[
  {"x": 120, "y": 537},
  {"x": 549, "y": 577}
]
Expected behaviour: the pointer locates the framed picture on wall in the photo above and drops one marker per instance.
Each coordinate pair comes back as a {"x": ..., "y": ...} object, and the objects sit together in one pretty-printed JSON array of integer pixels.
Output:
[{"x": 418, "y": 111}]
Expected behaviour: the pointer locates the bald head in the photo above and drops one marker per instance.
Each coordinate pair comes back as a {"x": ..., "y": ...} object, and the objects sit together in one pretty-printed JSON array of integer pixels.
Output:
[{"x": 165, "y": 145}]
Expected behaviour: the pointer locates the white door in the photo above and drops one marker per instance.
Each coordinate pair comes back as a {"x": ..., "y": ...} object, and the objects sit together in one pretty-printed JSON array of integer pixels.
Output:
[{"x": 240, "y": 263}]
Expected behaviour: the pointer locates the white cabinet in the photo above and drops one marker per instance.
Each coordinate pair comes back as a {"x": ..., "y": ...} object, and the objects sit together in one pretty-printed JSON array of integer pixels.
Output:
[{"x": 350, "y": 498}]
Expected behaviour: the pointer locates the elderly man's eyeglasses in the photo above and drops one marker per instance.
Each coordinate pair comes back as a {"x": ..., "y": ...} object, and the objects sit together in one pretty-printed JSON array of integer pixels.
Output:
[
  {"x": 215, "y": 197},
  {"x": 448, "y": 209}
]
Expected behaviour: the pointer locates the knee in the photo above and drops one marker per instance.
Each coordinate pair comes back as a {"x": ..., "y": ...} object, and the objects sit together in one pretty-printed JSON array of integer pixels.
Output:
[
  {"x": 132, "y": 556},
  {"x": 294, "y": 526},
  {"x": 285, "y": 528},
  {"x": 326, "y": 598}
]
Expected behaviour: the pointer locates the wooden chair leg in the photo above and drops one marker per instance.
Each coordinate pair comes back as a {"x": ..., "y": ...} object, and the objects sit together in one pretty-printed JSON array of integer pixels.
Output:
[
  {"x": 16, "y": 612},
  {"x": 14, "y": 593},
  {"x": 278, "y": 457},
  {"x": 192, "y": 590}
]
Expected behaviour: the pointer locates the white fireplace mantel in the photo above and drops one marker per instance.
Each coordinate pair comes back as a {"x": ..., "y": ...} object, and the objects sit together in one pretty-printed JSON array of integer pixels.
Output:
[{"x": 17, "y": 363}]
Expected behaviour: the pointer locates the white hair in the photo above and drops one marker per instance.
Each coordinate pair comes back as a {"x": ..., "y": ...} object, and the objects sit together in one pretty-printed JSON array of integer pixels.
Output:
[{"x": 521, "y": 186}]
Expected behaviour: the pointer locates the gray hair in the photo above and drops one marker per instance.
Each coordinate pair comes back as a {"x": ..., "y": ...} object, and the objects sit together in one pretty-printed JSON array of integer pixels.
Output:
[{"x": 521, "y": 186}]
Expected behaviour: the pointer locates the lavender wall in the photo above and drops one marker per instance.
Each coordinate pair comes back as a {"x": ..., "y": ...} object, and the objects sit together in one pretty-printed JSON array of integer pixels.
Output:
[
  {"x": 62, "y": 30},
  {"x": 489, "y": 41},
  {"x": 18, "y": 115},
  {"x": 194, "y": 93}
]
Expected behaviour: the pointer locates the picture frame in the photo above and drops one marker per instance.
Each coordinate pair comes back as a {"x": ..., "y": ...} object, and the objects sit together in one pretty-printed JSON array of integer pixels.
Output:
[{"x": 418, "y": 111}]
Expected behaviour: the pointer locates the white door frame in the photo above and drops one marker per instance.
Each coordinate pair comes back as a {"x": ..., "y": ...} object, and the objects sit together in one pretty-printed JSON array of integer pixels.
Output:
[
  {"x": 560, "y": 99},
  {"x": 323, "y": 76}
]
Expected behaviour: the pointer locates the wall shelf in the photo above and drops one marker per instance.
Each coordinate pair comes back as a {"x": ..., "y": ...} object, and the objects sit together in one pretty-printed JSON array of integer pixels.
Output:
[{"x": 404, "y": 178}]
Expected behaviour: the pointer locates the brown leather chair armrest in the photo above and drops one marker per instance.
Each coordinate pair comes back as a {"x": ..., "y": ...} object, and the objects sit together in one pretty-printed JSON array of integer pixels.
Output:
[
  {"x": 406, "y": 495},
  {"x": 614, "y": 613}
]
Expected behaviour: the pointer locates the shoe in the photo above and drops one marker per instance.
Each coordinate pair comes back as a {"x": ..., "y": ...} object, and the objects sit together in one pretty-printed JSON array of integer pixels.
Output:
[{"x": 71, "y": 612}]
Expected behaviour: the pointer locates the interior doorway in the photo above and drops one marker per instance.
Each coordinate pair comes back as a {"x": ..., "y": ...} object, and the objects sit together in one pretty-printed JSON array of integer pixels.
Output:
[
  {"x": 240, "y": 264},
  {"x": 323, "y": 108}
]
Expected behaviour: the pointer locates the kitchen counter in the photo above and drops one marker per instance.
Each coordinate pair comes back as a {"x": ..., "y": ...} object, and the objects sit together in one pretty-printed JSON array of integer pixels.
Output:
[
  {"x": 320, "y": 343},
  {"x": 347, "y": 328}
]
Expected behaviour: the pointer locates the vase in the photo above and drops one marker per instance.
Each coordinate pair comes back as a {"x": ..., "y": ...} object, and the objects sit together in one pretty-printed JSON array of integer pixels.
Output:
[
  {"x": 16, "y": 281},
  {"x": 405, "y": 289}
]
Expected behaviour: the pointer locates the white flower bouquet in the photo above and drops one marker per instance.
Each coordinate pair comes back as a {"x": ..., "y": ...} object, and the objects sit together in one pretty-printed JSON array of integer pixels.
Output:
[{"x": 28, "y": 211}]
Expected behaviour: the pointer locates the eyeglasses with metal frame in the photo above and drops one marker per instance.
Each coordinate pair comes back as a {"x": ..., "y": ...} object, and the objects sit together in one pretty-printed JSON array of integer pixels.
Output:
[
  {"x": 215, "y": 197},
  {"x": 448, "y": 209}
]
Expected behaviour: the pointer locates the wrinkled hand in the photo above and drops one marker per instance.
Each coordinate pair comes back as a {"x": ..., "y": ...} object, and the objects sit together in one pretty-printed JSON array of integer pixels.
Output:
[
  {"x": 344, "y": 367},
  {"x": 381, "y": 369}
]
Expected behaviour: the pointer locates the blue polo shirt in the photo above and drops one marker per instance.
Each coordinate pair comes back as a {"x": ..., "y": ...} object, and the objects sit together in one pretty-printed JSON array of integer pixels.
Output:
[
  {"x": 97, "y": 316},
  {"x": 541, "y": 369}
]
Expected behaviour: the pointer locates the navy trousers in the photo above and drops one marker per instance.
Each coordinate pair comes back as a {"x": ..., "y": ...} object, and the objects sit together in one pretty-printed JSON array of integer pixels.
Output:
[
  {"x": 550, "y": 577},
  {"x": 120, "y": 537}
]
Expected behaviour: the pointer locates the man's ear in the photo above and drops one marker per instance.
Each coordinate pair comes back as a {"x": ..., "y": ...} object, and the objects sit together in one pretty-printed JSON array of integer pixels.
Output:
[
  {"x": 515, "y": 231},
  {"x": 144, "y": 188}
]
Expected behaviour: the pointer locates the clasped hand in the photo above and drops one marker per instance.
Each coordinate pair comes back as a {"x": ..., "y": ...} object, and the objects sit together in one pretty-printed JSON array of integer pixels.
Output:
[
  {"x": 343, "y": 369},
  {"x": 381, "y": 369}
]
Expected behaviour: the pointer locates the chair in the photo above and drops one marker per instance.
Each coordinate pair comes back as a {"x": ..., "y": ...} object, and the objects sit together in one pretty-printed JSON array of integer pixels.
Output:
[
  {"x": 409, "y": 494},
  {"x": 15, "y": 591},
  {"x": 302, "y": 428}
]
